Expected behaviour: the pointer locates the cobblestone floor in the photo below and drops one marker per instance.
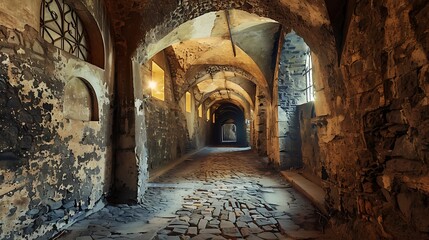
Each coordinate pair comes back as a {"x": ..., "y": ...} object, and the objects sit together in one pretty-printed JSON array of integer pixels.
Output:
[{"x": 219, "y": 193}]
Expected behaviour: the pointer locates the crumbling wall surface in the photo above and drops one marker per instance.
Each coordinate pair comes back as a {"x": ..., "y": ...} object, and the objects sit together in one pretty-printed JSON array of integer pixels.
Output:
[
  {"x": 376, "y": 148},
  {"x": 167, "y": 134},
  {"x": 53, "y": 170}
]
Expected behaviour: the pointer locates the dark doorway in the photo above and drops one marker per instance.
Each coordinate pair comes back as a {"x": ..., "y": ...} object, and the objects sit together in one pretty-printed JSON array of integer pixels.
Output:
[
  {"x": 229, "y": 127},
  {"x": 229, "y": 132}
]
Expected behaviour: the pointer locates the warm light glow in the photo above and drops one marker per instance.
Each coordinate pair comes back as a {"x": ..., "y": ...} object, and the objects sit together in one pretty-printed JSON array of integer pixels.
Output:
[
  {"x": 188, "y": 102},
  {"x": 208, "y": 114},
  {"x": 200, "y": 111},
  {"x": 152, "y": 85},
  {"x": 309, "y": 78},
  {"x": 156, "y": 85}
]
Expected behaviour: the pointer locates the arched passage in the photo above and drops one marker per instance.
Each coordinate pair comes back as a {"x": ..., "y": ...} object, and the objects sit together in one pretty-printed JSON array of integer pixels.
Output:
[
  {"x": 229, "y": 127},
  {"x": 366, "y": 136},
  {"x": 187, "y": 46}
]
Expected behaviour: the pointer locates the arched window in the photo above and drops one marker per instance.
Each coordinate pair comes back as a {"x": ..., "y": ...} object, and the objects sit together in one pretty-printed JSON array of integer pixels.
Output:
[{"x": 61, "y": 26}]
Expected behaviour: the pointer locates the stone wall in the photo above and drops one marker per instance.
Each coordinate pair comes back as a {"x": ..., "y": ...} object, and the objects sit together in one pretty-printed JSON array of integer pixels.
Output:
[
  {"x": 291, "y": 93},
  {"x": 375, "y": 144},
  {"x": 167, "y": 135},
  {"x": 53, "y": 170},
  {"x": 171, "y": 131},
  {"x": 374, "y": 103}
]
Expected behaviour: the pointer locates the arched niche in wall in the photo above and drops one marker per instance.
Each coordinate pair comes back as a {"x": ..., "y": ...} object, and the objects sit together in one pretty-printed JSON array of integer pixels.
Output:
[
  {"x": 66, "y": 25},
  {"x": 80, "y": 101}
]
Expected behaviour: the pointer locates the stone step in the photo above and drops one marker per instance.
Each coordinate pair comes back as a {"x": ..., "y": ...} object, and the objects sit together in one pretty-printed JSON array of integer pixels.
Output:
[{"x": 311, "y": 190}]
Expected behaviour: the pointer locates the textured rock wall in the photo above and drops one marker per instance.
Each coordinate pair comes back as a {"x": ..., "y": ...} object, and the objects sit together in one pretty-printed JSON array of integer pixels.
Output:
[
  {"x": 375, "y": 147},
  {"x": 53, "y": 170}
]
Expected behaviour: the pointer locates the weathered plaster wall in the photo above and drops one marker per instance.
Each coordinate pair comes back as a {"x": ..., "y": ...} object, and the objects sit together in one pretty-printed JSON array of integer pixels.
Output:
[
  {"x": 309, "y": 140},
  {"x": 260, "y": 124},
  {"x": 201, "y": 130},
  {"x": 52, "y": 170},
  {"x": 17, "y": 14}
]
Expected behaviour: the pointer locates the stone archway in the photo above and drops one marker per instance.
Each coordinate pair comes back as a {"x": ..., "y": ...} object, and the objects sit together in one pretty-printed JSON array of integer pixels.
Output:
[{"x": 143, "y": 44}]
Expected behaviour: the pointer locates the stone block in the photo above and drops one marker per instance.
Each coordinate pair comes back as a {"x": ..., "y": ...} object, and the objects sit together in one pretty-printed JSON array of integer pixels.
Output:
[
  {"x": 202, "y": 224},
  {"x": 69, "y": 204},
  {"x": 401, "y": 165},
  {"x": 211, "y": 231},
  {"x": 231, "y": 232},
  {"x": 368, "y": 187},
  {"x": 192, "y": 231},
  {"x": 420, "y": 217},
  {"x": 404, "y": 148},
  {"x": 226, "y": 224},
  {"x": 180, "y": 230},
  {"x": 396, "y": 117},
  {"x": 385, "y": 181},
  {"x": 405, "y": 201},
  {"x": 407, "y": 84},
  {"x": 267, "y": 235}
]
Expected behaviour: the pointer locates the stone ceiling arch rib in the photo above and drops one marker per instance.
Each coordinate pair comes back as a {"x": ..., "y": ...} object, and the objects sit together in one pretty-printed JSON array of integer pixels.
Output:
[
  {"x": 230, "y": 91},
  {"x": 233, "y": 97},
  {"x": 211, "y": 78},
  {"x": 213, "y": 52},
  {"x": 199, "y": 73},
  {"x": 215, "y": 104}
]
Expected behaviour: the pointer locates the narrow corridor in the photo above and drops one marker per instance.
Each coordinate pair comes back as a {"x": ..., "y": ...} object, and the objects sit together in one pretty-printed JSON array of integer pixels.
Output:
[
  {"x": 219, "y": 193},
  {"x": 99, "y": 99}
]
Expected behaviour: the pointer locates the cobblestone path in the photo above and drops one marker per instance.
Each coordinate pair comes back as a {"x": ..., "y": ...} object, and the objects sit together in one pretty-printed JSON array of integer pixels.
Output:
[{"x": 219, "y": 193}]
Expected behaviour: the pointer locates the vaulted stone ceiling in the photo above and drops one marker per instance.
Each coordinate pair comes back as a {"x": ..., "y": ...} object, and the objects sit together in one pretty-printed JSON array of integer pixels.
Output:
[
  {"x": 235, "y": 39},
  {"x": 255, "y": 28}
]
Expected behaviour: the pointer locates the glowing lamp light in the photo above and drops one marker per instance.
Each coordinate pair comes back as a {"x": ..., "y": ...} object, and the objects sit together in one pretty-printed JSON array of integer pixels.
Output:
[{"x": 152, "y": 85}]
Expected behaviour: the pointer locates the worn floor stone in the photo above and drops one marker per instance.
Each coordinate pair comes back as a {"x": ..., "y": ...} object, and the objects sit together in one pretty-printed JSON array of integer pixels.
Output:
[{"x": 222, "y": 193}]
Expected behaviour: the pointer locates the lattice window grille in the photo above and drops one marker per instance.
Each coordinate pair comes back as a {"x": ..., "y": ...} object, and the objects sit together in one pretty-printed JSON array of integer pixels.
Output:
[{"x": 61, "y": 26}]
